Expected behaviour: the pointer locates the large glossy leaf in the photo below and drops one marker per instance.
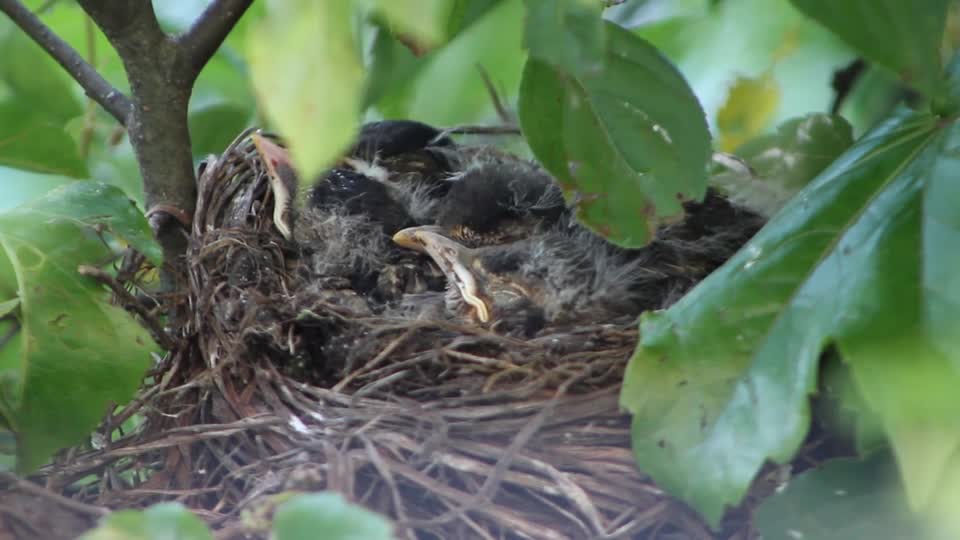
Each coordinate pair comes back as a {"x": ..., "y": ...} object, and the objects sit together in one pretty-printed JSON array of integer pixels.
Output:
[
  {"x": 301, "y": 517},
  {"x": 568, "y": 34},
  {"x": 862, "y": 258},
  {"x": 628, "y": 154},
  {"x": 848, "y": 499},
  {"x": 35, "y": 143},
  {"x": 308, "y": 76},
  {"x": 74, "y": 352},
  {"x": 903, "y": 36},
  {"x": 165, "y": 521}
]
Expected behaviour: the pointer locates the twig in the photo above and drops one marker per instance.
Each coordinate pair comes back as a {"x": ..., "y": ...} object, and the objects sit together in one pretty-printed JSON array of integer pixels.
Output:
[
  {"x": 483, "y": 130},
  {"x": 39, "y": 491},
  {"x": 95, "y": 86},
  {"x": 89, "y": 114},
  {"x": 130, "y": 302},
  {"x": 203, "y": 38},
  {"x": 498, "y": 105}
]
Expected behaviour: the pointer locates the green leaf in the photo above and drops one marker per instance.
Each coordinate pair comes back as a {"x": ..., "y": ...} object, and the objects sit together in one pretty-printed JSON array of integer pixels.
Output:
[
  {"x": 786, "y": 161},
  {"x": 307, "y": 74},
  {"x": 862, "y": 258},
  {"x": 74, "y": 352},
  {"x": 425, "y": 21},
  {"x": 303, "y": 516},
  {"x": 164, "y": 521},
  {"x": 645, "y": 12},
  {"x": 37, "y": 83},
  {"x": 902, "y": 36},
  {"x": 626, "y": 153},
  {"x": 466, "y": 12},
  {"x": 31, "y": 142},
  {"x": 20, "y": 186},
  {"x": 447, "y": 88},
  {"x": 8, "y": 306},
  {"x": 568, "y": 34},
  {"x": 846, "y": 499},
  {"x": 214, "y": 126},
  {"x": 392, "y": 66},
  {"x": 800, "y": 149}
]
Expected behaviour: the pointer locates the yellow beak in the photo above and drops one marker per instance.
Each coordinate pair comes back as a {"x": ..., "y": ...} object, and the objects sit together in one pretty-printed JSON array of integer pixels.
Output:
[{"x": 453, "y": 260}]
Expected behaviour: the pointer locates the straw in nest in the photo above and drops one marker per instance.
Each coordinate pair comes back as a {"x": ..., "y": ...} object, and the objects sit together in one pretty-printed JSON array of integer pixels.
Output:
[{"x": 452, "y": 430}]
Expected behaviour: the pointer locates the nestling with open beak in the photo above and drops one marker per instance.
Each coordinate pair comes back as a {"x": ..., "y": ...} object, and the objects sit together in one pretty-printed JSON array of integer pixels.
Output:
[
  {"x": 499, "y": 231},
  {"x": 564, "y": 273}
]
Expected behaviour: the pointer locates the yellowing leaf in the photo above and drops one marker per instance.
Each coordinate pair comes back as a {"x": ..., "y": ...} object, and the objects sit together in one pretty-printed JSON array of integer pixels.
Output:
[
  {"x": 308, "y": 77},
  {"x": 748, "y": 110}
]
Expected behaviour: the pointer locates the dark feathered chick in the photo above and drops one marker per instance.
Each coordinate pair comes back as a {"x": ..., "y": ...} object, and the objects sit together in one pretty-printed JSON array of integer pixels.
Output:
[
  {"x": 498, "y": 229},
  {"x": 389, "y": 174},
  {"x": 497, "y": 198},
  {"x": 385, "y": 183},
  {"x": 561, "y": 272}
]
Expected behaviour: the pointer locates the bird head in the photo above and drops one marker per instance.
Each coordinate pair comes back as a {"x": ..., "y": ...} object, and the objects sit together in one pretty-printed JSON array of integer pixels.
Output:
[
  {"x": 282, "y": 178},
  {"x": 499, "y": 199},
  {"x": 563, "y": 275},
  {"x": 487, "y": 284}
]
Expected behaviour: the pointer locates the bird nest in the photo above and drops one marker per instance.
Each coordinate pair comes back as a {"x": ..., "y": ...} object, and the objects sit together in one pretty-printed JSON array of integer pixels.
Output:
[{"x": 281, "y": 381}]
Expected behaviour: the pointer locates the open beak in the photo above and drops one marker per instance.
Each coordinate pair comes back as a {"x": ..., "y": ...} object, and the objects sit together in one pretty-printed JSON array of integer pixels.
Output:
[
  {"x": 283, "y": 180},
  {"x": 453, "y": 259}
]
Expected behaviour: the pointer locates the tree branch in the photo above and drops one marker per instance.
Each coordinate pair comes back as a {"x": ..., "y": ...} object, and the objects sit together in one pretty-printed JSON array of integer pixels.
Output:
[
  {"x": 162, "y": 71},
  {"x": 206, "y": 34},
  {"x": 160, "y": 85},
  {"x": 95, "y": 86}
]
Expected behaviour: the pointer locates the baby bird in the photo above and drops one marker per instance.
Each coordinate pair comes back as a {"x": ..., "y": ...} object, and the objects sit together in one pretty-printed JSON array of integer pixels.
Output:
[
  {"x": 501, "y": 246},
  {"x": 387, "y": 181},
  {"x": 515, "y": 257}
]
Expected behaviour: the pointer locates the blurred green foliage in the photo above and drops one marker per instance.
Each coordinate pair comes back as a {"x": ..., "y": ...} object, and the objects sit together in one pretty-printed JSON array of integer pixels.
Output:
[
  {"x": 297, "y": 517},
  {"x": 159, "y": 522}
]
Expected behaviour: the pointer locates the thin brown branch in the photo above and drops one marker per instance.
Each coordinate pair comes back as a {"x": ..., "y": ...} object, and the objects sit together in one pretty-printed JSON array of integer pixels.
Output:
[
  {"x": 498, "y": 105},
  {"x": 95, "y": 86},
  {"x": 121, "y": 20},
  {"x": 206, "y": 34},
  {"x": 66, "y": 502},
  {"x": 508, "y": 129},
  {"x": 129, "y": 302}
]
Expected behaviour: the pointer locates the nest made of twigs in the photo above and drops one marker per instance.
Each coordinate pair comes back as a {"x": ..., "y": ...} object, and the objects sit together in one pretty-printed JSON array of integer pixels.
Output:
[{"x": 453, "y": 431}]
